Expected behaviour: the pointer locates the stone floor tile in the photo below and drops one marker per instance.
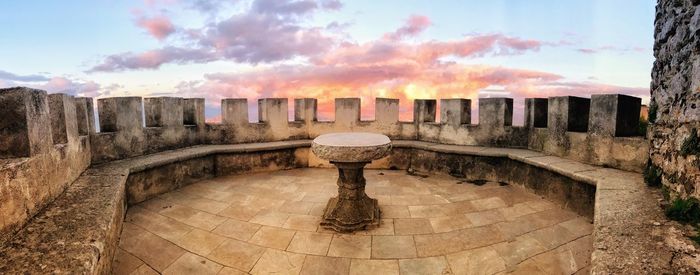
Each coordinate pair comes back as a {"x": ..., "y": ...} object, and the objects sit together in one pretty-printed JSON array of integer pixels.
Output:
[
  {"x": 273, "y": 237},
  {"x": 553, "y": 236},
  {"x": 394, "y": 211},
  {"x": 156, "y": 204},
  {"x": 231, "y": 271},
  {"x": 556, "y": 262},
  {"x": 242, "y": 213},
  {"x": 430, "y": 265},
  {"x": 386, "y": 227},
  {"x": 317, "y": 209},
  {"x": 485, "y": 217},
  {"x": 412, "y": 226},
  {"x": 144, "y": 269},
  {"x": 278, "y": 262},
  {"x": 366, "y": 267},
  {"x": 541, "y": 205},
  {"x": 488, "y": 203},
  {"x": 237, "y": 254},
  {"x": 516, "y": 251},
  {"x": 350, "y": 246},
  {"x": 528, "y": 267},
  {"x": 297, "y": 207},
  {"x": 578, "y": 226},
  {"x": 449, "y": 223},
  {"x": 512, "y": 229},
  {"x": 205, "y": 220},
  {"x": 178, "y": 212},
  {"x": 142, "y": 245},
  {"x": 310, "y": 243},
  {"x": 517, "y": 210},
  {"x": 206, "y": 205},
  {"x": 480, "y": 236},
  {"x": 199, "y": 241},
  {"x": 270, "y": 218},
  {"x": 476, "y": 261},
  {"x": 155, "y": 223},
  {"x": 439, "y": 244},
  {"x": 236, "y": 229},
  {"x": 302, "y": 222},
  {"x": 315, "y": 265},
  {"x": 190, "y": 263},
  {"x": 393, "y": 247},
  {"x": 124, "y": 263}
]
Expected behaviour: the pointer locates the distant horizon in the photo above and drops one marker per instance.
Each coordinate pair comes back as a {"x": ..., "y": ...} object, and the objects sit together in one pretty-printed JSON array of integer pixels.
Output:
[{"x": 329, "y": 48}]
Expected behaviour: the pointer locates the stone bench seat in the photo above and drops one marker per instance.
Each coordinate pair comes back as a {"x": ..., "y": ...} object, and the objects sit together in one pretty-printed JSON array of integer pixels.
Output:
[{"x": 79, "y": 231}]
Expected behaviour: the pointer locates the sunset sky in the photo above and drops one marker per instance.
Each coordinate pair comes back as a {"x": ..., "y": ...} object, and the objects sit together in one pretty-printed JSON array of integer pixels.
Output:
[{"x": 329, "y": 48}]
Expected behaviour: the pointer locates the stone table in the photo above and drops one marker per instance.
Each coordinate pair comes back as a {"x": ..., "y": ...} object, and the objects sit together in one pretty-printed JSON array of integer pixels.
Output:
[{"x": 352, "y": 209}]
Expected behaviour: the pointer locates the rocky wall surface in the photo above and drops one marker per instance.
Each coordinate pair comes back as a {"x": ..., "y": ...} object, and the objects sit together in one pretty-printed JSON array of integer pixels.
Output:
[{"x": 674, "y": 111}]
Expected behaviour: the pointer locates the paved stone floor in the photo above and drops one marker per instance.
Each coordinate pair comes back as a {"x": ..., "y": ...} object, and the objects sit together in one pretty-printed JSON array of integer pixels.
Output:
[{"x": 268, "y": 223}]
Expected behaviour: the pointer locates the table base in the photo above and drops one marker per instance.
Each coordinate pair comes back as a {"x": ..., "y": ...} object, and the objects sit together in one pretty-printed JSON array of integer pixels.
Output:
[{"x": 352, "y": 209}]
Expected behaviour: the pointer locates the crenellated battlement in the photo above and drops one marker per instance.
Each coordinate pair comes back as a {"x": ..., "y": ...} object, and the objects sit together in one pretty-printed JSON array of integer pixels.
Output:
[{"x": 132, "y": 126}]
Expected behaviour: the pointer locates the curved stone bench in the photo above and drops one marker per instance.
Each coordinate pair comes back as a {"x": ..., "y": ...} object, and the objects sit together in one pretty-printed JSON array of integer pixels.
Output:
[{"x": 78, "y": 232}]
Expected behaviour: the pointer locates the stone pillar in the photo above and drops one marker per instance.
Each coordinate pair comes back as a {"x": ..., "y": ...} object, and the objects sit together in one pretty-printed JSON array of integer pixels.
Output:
[
  {"x": 495, "y": 112},
  {"x": 164, "y": 112},
  {"x": 64, "y": 123},
  {"x": 424, "y": 110},
  {"x": 386, "y": 110},
  {"x": 234, "y": 111},
  {"x": 455, "y": 111},
  {"x": 347, "y": 111},
  {"x": 614, "y": 115},
  {"x": 25, "y": 123},
  {"x": 85, "y": 113},
  {"x": 120, "y": 114},
  {"x": 567, "y": 114},
  {"x": 305, "y": 109},
  {"x": 536, "y": 112},
  {"x": 193, "y": 111}
]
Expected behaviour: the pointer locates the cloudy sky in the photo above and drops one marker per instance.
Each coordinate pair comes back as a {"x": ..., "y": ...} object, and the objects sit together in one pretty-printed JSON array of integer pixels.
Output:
[{"x": 325, "y": 49}]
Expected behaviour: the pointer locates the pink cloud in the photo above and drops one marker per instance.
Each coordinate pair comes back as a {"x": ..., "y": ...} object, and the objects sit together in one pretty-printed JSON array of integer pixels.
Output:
[
  {"x": 159, "y": 27},
  {"x": 413, "y": 26}
]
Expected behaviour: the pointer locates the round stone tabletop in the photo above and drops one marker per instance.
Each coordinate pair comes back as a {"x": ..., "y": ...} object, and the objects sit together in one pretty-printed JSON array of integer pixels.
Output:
[{"x": 351, "y": 147}]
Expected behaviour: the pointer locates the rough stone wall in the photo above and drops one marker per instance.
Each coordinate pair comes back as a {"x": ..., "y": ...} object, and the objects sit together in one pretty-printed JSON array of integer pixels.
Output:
[
  {"x": 51, "y": 153},
  {"x": 674, "y": 111}
]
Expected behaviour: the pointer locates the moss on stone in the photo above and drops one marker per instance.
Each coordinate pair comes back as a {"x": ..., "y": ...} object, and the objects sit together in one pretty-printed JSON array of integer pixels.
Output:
[
  {"x": 691, "y": 145},
  {"x": 684, "y": 210},
  {"x": 652, "y": 175}
]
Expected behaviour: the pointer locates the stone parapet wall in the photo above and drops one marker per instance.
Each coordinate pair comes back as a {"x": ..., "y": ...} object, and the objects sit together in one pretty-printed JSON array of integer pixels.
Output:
[
  {"x": 601, "y": 130},
  {"x": 44, "y": 147},
  {"x": 675, "y": 97}
]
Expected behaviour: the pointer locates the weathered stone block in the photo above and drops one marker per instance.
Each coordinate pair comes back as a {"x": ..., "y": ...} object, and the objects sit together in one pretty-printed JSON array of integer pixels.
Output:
[
  {"x": 120, "y": 114},
  {"x": 495, "y": 112},
  {"x": 347, "y": 111},
  {"x": 64, "y": 122},
  {"x": 234, "y": 111},
  {"x": 456, "y": 111},
  {"x": 305, "y": 109},
  {"x": 25, "y": 122},
  {"x": 386, "y": 110},
  {"x": 614, "y": 115},
  {"x": 424, "y": 110},
  {"x": 568, "y": 113},
  {"x": 193, "y": 111},
  {"x": 273, "y": 111},
  {"x": 536, "y": 112},
  {"x": 85, "y": 113},
  {"x": 164, "y": 112}
]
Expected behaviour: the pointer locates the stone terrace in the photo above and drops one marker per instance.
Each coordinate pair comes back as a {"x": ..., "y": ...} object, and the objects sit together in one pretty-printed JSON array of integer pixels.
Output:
[{"x": 431, "y": 224}]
